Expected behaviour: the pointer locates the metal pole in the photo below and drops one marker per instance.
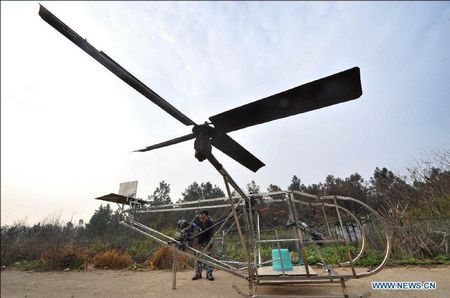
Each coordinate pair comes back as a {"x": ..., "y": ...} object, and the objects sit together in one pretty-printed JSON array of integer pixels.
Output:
[
  {"x": 223, "y": 244},
  {"x": 330, "y": 235},
  {"x": 279, "y": 253},
  {"x": 211, "y": 263},
  {"x": 344, "y": 288},
  {"x": 236, "y": 187},
  {"x": 298, "y": 239},
  {"x": 259, "y": 237},
  {"x": 171, "y": 240},
  {"x": 292, "y": 217},
  {"x": 346, "y": 241},
  {"x": 302, "y": 244},
  {"x": 252, "y": 228},
  {"x": 174, "y": 269},
  {"x": 241, "y": 236},
  {"x": 247, "y": 225},
  {"x": 231, "y": 226},
  {"x": 183, "y": 209}
]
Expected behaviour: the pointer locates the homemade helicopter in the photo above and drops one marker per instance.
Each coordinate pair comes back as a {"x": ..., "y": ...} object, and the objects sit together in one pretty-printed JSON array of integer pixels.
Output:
[{"x": 334, "y": 89}]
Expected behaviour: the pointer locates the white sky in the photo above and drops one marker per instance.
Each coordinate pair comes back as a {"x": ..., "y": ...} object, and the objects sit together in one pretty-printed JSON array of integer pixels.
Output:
[{"x": 68, "y": 124}]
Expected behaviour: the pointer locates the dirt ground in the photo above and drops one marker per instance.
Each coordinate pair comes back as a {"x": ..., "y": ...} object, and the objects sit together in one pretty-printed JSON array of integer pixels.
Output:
[{"x": 104, "y": 283}]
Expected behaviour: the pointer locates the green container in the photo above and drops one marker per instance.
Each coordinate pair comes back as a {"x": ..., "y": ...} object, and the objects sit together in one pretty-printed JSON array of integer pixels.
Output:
[{"x": 276, "y": 260}]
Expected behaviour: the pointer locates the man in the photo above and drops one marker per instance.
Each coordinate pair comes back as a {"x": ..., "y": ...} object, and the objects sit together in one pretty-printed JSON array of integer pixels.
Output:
[{"x": 204, "y": 223}]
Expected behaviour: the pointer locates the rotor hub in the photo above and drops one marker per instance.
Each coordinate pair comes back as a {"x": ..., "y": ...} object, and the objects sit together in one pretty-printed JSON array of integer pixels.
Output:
[{"x": 202, "y": 145}]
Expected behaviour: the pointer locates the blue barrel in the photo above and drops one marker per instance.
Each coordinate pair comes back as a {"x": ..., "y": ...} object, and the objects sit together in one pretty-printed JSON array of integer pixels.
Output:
[{"x": 276, "y": 262}]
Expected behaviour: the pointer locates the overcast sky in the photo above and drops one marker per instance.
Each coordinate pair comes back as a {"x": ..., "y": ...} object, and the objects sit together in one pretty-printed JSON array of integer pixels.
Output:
[{"x": 68, "y": 124}]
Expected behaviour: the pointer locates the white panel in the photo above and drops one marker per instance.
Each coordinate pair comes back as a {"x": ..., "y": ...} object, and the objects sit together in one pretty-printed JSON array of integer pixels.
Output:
[{"x": 128, "y": 189}]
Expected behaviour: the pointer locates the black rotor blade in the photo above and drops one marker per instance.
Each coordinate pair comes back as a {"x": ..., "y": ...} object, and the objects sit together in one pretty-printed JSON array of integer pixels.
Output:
[
  {"x": 232, "y": 148},
  {"x": 168, "y": 143},
  {"x": 337, "y": 88},
  {"x": 113, "y": 66}
]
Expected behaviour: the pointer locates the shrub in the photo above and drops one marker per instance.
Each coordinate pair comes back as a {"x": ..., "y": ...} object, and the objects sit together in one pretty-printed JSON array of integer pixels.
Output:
[
  {"x": 62, "y": 257},
  {"x": 141, "y": 249},
  {"x": 163, "y": 259},
  {"x": 112, "y": 259},
  {"x": 98, "y": 247}
]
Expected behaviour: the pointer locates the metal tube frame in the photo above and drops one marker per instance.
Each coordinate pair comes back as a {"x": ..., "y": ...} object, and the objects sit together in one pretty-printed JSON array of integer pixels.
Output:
[{"x": 252, "y": 242}]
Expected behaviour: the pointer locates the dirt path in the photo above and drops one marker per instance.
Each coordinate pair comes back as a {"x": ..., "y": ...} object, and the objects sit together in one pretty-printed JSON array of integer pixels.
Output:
[{"x": 158, "y": 284}]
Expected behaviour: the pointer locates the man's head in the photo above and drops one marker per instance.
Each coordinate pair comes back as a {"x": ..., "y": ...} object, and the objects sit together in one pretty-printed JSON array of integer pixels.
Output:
[{"x": 203, "y": 215}]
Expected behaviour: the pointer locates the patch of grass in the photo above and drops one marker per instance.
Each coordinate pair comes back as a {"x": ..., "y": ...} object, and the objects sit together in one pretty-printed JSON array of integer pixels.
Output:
[
  {"x": 443, "y": 259},
  {"x": 331, "y": 254},
  {"x": 409, "y": 261},
  {"x": 438, "y": 260},
  {"x": 35, "y": 265},
  {"x": 371, "y": 257}
]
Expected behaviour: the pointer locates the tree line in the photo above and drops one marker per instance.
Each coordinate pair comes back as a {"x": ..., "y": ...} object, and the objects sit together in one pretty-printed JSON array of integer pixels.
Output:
[{"x": 416, "y": 205}]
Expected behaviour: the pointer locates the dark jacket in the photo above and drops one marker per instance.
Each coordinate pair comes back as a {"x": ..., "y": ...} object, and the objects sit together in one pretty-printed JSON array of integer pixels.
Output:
[{"x": 204, "y": 237}]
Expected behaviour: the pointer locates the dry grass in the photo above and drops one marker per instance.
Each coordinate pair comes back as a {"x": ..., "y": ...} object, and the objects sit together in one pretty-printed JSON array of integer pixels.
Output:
[
  {"x": 66, "y": 256},
  {"x": 112, "y": 259},
  {"x": 163, "y": 259}
]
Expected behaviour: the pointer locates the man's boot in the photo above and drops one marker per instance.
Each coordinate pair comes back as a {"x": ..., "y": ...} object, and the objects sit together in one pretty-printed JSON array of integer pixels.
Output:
[{"x": 197, "y": 276}]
